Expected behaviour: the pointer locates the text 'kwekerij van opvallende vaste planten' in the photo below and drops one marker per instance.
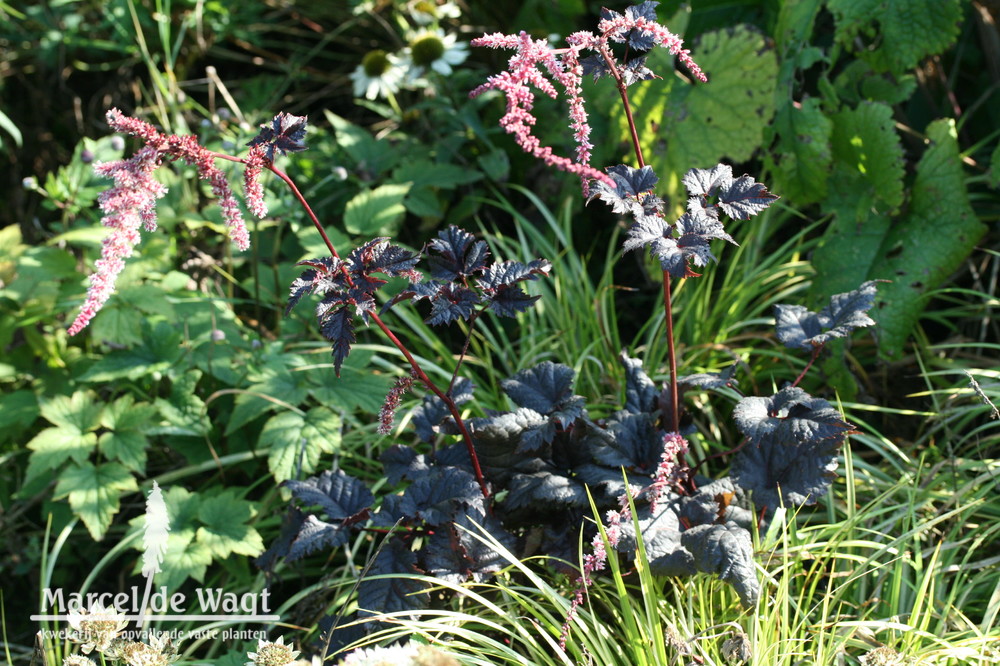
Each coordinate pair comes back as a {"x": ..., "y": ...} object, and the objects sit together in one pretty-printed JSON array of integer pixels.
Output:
[{"x": 529, "y": 477}]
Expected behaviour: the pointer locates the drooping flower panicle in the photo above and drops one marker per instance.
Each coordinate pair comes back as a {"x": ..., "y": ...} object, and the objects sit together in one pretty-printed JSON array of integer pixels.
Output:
[
  {"x": 535, "y": 62},
  {"x": 131, "y": 202}
]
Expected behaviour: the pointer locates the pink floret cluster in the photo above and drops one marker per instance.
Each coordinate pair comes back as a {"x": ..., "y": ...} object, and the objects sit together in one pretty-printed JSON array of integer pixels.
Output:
[
  {"x": 530, "y": 67},
  {"x": 535, "y": 65},
  {"x": 131, "y": 202}
]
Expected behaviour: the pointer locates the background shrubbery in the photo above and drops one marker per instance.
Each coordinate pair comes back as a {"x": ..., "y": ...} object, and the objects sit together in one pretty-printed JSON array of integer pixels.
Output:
[{"x": 880, "y": 138}]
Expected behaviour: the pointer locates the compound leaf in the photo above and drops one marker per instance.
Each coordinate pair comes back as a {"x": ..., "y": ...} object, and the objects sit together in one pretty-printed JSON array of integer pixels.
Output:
[{"x": 455, "y": 254}]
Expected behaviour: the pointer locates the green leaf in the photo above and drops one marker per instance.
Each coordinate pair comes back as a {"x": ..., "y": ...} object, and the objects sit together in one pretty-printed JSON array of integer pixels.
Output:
[
  {"x": 895, "y": 35},
  {"x": 866, "y": 183},
  {"x": 295, "y": 443},
  {"x": 369, "y": 154},
  {"x": 994, "y": 172},
  {"x": 423, "y": 202},
  {"x": 916, "y": 251},
  {"x": 127, "y": 423},
  {"x": 18, "y": 410},
  {"x": 698, "y": 125},
  {"x": 54, "y": 446},
  {"x": 75, "y": 418},
  {"x": 159, "y": 352},
  {"x": 186, "y": 557},
  {"x": 376, "y": 212},
  {"x": 117, "y": 324},
  {"x": 357, "y": 388},
  {"x": 801, "y": 161},
  {"x": 94, "y": 493},
  {"x": 425, "y": 173},
  {"x": 184, "y": 412},
  {"x": 924, "y": 247},
  {"x": 78, "y": 412},
  {"x": 279, "y": 386},
  {"x": 225, "y": 530}
]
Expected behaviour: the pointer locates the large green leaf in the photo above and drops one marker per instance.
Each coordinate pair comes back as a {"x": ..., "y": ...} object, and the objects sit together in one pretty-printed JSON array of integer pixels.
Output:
[
  {"x": 688, "y": 126},
  {"x": 358, "y": 387},
  {"x": 94, "y": 493},
  {"x": 278, "y": 386},
  {"x": 75, "y": 419},
  {"x": 127, "y": 425},
  {"x": 866, "y": 184},
  {"x": 915, "y": 251},
  {"x": 224, "y": 529},
  {"x": 295, "y": 442},
  {"x": 376, "y": 212},
  {"x": 184, "y": 413},
  {"x": 800, "y": 163},
  {"x": 895, "y": 35}
]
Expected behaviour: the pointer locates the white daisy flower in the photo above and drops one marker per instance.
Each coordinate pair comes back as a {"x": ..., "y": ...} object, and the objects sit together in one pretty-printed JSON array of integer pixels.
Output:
[
  {"x": 432, "y": 49},
  {"x": 379, "y": 75},
  {"x": 425, "y": 12}
]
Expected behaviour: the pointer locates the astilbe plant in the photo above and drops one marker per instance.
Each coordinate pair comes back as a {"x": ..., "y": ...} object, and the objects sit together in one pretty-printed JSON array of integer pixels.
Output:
[{"x": 528, "y": 476}]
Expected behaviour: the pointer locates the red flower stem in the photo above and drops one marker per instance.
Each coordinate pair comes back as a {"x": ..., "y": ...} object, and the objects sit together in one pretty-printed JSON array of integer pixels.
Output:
[
  {"x": 815, "y": 355},
  {"x": 421, "y": 375},
  {"x": 675, "y": 421},
  {"x": 667, "y": 298},
  {"x": 623, "y": 93}
]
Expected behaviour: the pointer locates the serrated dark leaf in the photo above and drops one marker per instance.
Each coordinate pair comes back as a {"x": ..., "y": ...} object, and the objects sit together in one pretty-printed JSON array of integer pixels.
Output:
[
  {"x": 452, "y": 302},
  {"x": 727, "y": 551},
  {"x": 380, "y": 256},
  {"x": 339, "y": 495},
  {"x": 774, "y": 474},
  {"x": 635, "y": 444},
  {"x": 710, "y": 381},
  {"x": 640, "y": 391},
  {"x": 436, "y": 497},
  {"x": 291, "y": 523},
  {"x": 509, "y": 301},
  {"x": 286, "y": 134},
  {"x": 324, "y": 276},
  {"x": 402, "y": 462},
  {"x": 454, "y": 553},
  {"x": 398, "y": 593},
  {"x": 315, "y": 535},
  {"x": 544, "y": 388},
  {"x": 543, "y": 491},
  {"x": 797, "y": 327},
  {"x": 705, "y": 182},
  {"x": 635, "y": 70},
  {"x": 661, "y": 536},
  {"x": 642, "y": 40},
  {"x": 509, "y": 273},
  {"x": 790, "y": 417},
  {"x": 338, "y": 327},
  {"x": 595, "y": 66},
  {"x": 432, "y": 411},
  {"x": 745, "y": 198},
  {"x": 456, "y": 254}
]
